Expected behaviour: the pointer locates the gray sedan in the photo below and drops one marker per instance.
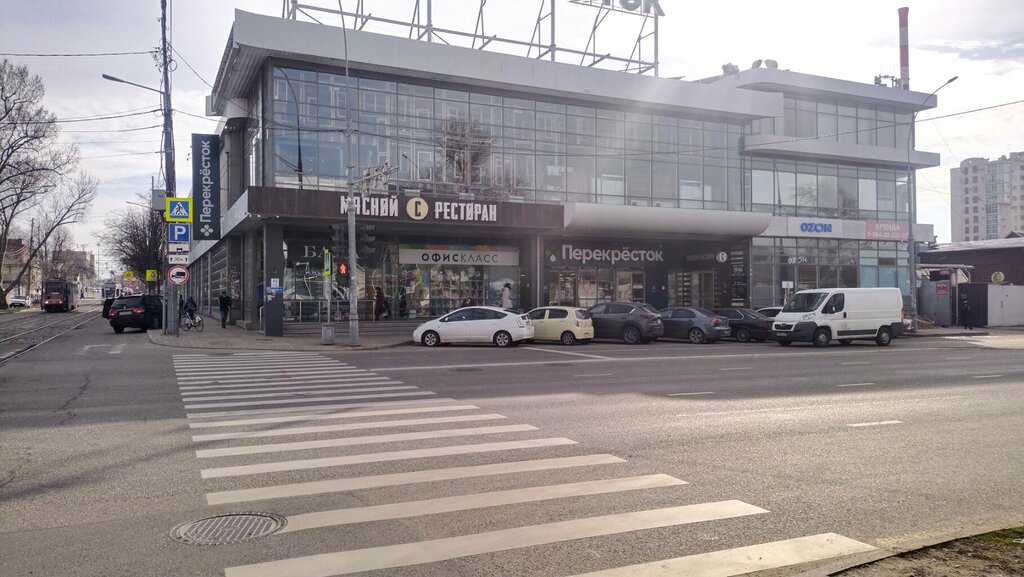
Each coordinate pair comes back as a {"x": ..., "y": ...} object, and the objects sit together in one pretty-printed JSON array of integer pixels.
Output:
[{"x": 694, "y": 324}]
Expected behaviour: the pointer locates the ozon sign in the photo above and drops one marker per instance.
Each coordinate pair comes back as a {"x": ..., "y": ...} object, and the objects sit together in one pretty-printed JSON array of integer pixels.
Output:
[{"x": 642, "y": 6}]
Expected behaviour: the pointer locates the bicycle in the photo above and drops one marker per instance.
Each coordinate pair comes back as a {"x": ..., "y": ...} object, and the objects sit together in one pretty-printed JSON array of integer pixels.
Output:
[{"x": 188, "y": 324}]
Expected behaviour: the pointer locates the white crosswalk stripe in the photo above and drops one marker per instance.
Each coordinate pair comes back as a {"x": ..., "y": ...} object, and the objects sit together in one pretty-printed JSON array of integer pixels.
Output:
[{"x": 331, "y": 409}]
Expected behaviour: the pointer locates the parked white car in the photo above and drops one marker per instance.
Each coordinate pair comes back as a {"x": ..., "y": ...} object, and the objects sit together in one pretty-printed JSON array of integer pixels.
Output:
[
  {"x": 504, "y": 328},
  {"x": 20, "y": 301}
]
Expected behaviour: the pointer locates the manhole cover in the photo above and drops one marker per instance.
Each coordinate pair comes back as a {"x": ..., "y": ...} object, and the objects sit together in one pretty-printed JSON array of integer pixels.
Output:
[{"x": 228, "y": 529}]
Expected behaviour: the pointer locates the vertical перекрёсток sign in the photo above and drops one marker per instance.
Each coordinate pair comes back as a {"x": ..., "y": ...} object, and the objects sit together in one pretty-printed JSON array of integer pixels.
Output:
[{"x": 206, "y": 186}]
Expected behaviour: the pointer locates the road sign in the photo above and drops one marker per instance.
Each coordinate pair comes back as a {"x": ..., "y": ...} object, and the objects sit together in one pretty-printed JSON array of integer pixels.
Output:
[
  {"x": 177, "y": 248},
  {"x": 179, "y": 232},
  {"x": 327, "y": 262},
  {"x": 151, "y": 275},
  {"x": 129, "y": 275},
  {"x": 177, "y": 259},
  {"x": 178, "y": 209},
  {"x": 177, "y": 274}
]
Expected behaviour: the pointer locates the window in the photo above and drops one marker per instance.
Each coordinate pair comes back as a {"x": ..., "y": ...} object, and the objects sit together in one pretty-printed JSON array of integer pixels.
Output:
[
  {"x": 538, "y": 314},
  {"x": 558, "y": 314},
  {"x": 619, "y": 309},
  {"x": 837, "y": 302},
  {"x": 683, "y": 314}
]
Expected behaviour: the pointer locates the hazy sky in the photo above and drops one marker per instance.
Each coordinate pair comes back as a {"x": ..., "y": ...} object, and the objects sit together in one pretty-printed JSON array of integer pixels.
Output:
[{"x": 981, "y": 41}]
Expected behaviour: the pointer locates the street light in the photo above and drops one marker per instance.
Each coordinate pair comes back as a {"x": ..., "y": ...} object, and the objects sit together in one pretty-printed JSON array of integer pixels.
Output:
[
  {"x": 912, "y": 212},
  {"x": 170, "y": 321}
]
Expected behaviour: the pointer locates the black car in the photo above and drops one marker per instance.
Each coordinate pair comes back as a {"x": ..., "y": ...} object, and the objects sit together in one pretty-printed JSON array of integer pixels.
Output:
[
  {"x": 631, "y": 322},
  {"x": 746, "y": 325},
  {"x": 769, "y": 312},
  {"x": 138, "y": 311}
]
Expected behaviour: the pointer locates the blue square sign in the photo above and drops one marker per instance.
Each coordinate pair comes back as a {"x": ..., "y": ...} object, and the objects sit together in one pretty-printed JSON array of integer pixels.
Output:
[{"x": 179, "y": 232}]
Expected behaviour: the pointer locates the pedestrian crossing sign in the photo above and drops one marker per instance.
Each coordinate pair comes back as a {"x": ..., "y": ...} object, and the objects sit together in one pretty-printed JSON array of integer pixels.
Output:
[
  {"x": 178, "y": 209},
  {"x": 151, "y": 275}
]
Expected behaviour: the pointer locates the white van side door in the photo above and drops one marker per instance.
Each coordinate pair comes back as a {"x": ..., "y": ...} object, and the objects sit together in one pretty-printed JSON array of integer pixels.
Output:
[{"x": 834, "y": 310}]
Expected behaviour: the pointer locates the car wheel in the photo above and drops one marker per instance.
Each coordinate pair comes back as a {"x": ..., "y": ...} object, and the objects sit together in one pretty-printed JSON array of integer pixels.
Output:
[
  {"x": 743, "y": 335},
  {"x": 785, "y": 343},
  {"x": 696, "y": 336},
  {"x": 568, "y": 339},
  {"x": 118, "y": 330},
  {"x": 821, "y": 337},
  {"x": 845, "y": 341},
  {"x": 631, "y": 336},
  {"x": 503, "y": 339},
  {"x": 884, "y": 337},
  {"x": 430, "y": 339}
]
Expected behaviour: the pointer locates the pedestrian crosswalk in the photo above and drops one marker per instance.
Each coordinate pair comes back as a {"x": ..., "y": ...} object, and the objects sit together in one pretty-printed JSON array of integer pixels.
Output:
[{"x": 330, "y": 446}]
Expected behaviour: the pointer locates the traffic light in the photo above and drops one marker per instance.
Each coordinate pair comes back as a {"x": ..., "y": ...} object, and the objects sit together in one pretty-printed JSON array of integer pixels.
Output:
[
  {"x": 342, "y": 271},
  {"x": 339, "y": 241},
  {"x": 365, "y": 240}
]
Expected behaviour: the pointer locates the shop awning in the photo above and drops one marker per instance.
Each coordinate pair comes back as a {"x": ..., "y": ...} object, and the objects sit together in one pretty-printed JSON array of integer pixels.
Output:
[{"x": 613, "y": 219}]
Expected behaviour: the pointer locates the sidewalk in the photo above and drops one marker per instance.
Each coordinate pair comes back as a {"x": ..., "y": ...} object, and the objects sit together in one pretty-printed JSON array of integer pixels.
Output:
[{"x": 234, "y": 337}]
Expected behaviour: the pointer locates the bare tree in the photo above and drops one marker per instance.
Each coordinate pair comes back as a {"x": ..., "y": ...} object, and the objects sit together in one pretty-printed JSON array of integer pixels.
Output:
[
  {"x": 33, "y": 166},
  {"x": 135, "y": 237},
  {"x": 59, "y": 208}
]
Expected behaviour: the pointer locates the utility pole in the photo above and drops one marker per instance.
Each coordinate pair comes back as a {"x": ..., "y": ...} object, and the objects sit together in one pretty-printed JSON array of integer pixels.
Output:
[
  {"x": 31, "y": 248},
  {"x": 171, "y": 319}
]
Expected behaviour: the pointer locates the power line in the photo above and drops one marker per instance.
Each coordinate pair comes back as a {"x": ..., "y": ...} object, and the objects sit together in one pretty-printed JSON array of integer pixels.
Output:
[
  {"x": 116, "y": 129},
  {"x": 117, "y": 155},
  {"x": 81, "y": 119},
  {"x": 190, "y": 67},
  {"x": 196, "y": 115},
  {"x": 78, "y": 54}
]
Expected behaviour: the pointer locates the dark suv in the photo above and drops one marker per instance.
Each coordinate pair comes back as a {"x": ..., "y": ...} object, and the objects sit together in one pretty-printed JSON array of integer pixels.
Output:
[
  {"x": 633, "y": 323},
  {"x": 139, "y": 311}
]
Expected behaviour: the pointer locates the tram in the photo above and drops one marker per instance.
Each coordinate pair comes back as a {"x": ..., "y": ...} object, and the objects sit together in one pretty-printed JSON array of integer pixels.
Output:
[{"x": 59, "y": 295}]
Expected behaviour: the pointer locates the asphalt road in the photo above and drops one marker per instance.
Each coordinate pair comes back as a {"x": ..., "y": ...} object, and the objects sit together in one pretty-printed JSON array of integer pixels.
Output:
[{"x": 103, "y": 451}]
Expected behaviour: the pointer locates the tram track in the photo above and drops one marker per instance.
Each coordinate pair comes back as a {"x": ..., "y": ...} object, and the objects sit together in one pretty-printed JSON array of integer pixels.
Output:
[{"x": 37, "y": 336}]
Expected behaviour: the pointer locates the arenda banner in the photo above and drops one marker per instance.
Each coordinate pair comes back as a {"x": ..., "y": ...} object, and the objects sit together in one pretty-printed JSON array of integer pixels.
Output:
[{"x": 206, "y": 186}]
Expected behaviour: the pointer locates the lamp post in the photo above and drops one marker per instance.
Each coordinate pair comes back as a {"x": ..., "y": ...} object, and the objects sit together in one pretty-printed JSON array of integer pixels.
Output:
[
  {"x": 912, "y": 212},
  {"x": 353, "y": 283},
  {"x": 170, "y": 321}
]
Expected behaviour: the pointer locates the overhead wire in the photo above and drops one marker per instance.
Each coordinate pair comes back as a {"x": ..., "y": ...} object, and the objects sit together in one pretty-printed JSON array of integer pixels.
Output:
[{"x": 75, "y": 54}]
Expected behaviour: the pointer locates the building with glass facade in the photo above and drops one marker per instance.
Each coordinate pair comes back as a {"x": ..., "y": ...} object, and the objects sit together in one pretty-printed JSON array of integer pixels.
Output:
[{"x": 574, "y": 185}]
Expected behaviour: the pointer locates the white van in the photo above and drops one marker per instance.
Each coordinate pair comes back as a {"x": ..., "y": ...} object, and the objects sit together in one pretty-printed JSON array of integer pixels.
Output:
[{"x": 820, "y": 315}]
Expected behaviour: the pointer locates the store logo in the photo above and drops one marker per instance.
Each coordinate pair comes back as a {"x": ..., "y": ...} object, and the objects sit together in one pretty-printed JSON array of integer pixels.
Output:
[
  {"x": 613, "y": 256},
  {"x": 815, "y": 227},
  {"x": 417, "y": 208}
]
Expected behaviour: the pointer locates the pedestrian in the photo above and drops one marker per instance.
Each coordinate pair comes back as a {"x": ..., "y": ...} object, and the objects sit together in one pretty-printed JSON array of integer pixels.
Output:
[
  {"x": 965, "y": 313},
  {"x": 467, "y": 302},
  {"x": 506, "y": 296},
  {"x": 378, "y": 304},
  {"x": 225, "y": 306},
  {"x": 403, "y": 305}
]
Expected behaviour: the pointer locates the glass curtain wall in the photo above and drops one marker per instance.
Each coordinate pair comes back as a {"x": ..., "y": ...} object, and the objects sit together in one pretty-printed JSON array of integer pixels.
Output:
[
  {"x": 481, "y": 145},
  {"x": 820, "y": 263}
]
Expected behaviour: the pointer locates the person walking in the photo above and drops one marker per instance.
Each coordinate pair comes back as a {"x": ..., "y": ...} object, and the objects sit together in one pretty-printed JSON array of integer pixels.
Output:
[
  {"x": 378, "y": 304},
  {"x": 965, "y": 313},
  {"x": 224, "y": 301},
  {"x": 506, "y": 296}
]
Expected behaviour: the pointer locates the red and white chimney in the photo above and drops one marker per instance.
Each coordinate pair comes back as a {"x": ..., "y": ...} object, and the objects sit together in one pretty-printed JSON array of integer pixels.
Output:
[{"x": 904, "y": 50}]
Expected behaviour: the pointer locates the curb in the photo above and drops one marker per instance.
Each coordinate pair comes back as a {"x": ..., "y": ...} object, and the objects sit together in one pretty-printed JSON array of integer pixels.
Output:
[
  {"x": 934, "y": 335},
  {"x": 157, "y": 339}
]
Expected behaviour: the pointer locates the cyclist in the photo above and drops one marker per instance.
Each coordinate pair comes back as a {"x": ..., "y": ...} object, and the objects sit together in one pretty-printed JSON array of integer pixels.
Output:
[{"x": 190, "y": 309}]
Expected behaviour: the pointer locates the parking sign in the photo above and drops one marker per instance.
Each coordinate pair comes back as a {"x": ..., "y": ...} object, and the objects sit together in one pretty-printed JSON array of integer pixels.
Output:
[{"x": 179, "y": 232}]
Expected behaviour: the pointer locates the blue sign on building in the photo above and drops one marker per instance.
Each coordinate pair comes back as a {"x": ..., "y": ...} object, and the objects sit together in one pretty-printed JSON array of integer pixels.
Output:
[{"x": 179, "y": 232}]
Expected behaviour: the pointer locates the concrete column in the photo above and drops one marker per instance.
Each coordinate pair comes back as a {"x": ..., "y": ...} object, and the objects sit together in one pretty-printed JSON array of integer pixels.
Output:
[
  {"x": 235, "y": 280},
  {"x": 273, "y": 268},
  {"x": 249, "y": 307}
]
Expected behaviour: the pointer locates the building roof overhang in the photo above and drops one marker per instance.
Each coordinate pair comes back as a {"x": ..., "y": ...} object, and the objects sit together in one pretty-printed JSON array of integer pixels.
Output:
[{"x": 609, "y": 219}]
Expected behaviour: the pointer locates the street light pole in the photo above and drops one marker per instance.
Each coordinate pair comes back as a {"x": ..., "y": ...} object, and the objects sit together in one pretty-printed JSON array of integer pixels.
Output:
[
  {"x": 912, "y": 212},
  {"x": 170, "y": 323},
  {"x": 353, "y": 283}
]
